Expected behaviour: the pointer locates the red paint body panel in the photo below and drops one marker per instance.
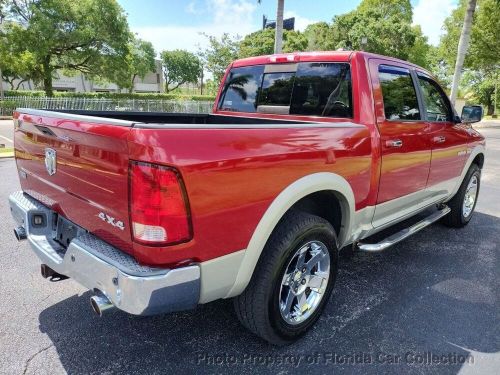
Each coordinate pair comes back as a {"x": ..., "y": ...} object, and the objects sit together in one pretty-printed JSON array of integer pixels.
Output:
[
  {"x": 404, "y": 170},
  {"x": 231, "y": 175},
  {"x": 92, "y": 172}
]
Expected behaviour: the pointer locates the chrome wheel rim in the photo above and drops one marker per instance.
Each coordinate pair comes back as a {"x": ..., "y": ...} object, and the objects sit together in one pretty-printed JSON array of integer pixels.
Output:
[
  {"x": 304, "y": 282},
  {"x": 470, "y": 197}
]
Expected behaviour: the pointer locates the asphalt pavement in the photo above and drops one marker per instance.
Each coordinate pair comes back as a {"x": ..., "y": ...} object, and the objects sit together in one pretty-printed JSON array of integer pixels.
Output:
[
  {"x": 6, "y": 133},
  {"x": 424, "y": 306}
]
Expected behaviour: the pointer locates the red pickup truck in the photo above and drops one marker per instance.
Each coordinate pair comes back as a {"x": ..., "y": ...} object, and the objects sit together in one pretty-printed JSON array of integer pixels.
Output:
[{"x": 304, "y": 154}]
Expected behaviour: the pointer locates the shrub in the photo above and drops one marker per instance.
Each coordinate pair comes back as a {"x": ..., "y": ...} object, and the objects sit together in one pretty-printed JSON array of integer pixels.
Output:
[
  {"x": 7, "y": 107},
  {"x": 112, "y": 95}
]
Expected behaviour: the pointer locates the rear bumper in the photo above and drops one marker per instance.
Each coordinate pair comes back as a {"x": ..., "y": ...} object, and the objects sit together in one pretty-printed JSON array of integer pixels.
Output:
[{"x": 131, "y": 287}]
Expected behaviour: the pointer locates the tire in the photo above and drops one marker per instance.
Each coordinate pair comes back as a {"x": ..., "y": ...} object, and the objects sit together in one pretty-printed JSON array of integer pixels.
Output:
[
  {"x": 299, "y": 240},
  {"x": 459, "y": 215}
]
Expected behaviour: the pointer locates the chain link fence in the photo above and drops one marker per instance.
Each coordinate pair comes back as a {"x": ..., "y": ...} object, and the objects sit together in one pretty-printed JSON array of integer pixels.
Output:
[{"x": 104, "y": 104}]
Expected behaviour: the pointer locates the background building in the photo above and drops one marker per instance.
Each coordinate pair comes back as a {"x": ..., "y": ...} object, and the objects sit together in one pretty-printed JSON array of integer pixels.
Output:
[{"x": 152, "y": 82}]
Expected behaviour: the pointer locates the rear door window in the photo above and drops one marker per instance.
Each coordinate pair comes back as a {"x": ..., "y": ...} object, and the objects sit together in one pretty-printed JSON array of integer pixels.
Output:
[
  {"x": 241, "y": 89},
  {"x": 322, "y": 89},
  {"x": 399, "y": 95}
]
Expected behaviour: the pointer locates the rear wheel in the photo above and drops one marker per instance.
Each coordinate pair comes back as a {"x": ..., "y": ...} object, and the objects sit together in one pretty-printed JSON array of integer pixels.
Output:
[
  {"x": 292, "y": 281},
  {"x": 464, "y": 202}
]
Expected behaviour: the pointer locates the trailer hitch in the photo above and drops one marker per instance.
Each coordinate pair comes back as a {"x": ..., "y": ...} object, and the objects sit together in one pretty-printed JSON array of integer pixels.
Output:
[{"x": 49, "y": 273}]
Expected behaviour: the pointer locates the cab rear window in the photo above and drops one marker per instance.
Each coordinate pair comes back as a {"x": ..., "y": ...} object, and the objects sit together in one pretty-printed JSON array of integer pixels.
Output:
[
  {"x": 312, "y": 89},
  {"x": 322, "y": 89},
  {"x": 241, "y": 88}
]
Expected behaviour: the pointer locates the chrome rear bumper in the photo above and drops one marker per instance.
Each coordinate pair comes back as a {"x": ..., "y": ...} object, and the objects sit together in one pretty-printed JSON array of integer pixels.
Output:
[{"x": 130, "y": 286}]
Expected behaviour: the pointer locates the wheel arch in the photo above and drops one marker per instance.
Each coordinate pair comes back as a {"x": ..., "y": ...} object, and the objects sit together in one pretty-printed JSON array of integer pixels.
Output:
[
  {"x": 476, "y": 156},
  {"x": 479, "y": 160},
  {"x": 287, "y": 199}
]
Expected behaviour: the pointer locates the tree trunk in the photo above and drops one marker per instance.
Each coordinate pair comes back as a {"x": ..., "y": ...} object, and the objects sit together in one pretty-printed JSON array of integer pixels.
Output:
[
  {"x": 47, "y": 78},
  {"x": 131, "y": 88},
  {"x": 18, "y": 84},
  {"x": 278, "y": 37},
  {"x": 463, "y": 45},
  {"x": 490, "y": 110},
  {"x": 1, "y": 85}
]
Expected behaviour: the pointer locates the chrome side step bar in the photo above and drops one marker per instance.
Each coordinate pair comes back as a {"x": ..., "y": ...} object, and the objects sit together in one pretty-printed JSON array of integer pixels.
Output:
[{"x": 405, "y": 233}]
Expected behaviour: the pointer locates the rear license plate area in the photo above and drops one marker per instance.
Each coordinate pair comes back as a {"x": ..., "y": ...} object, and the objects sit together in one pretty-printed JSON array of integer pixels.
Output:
[{"x": 65, "y": 231}]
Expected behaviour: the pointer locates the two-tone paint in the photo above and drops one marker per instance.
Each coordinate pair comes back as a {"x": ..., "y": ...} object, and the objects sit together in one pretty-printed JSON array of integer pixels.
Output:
[{"x": 241, "y": 179}]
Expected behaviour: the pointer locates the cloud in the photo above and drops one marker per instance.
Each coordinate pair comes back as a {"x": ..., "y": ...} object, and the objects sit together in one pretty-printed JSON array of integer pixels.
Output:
[
  {"x": 192, "y": 8},
  {"x": 224, "y": 16},
  {"x": 430, "y": 15},
  {"x": 300, "y": 22}
]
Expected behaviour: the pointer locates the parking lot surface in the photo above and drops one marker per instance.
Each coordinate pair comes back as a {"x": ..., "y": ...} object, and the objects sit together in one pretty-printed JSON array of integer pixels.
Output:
[{"x": 424, "y": 306}]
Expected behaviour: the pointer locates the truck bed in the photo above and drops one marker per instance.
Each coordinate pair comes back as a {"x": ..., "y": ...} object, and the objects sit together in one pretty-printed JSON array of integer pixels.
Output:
[
  {"x": 232, "y": 168},
  {"x": 174, "y": 118}
]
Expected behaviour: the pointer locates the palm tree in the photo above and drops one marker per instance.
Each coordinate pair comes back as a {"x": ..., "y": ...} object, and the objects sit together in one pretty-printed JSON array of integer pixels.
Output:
[
  {"x": 463, "y": 45},
  {"x": 278, "y": 36}
]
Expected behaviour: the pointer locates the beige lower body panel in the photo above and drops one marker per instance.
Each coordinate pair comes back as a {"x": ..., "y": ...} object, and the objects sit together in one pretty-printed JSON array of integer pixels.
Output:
[{"x": 219, "y": 275}]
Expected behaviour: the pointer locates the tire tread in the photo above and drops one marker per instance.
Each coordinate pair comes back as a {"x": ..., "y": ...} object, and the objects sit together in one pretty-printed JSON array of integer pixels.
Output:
[{"x": 248, "y": 305}]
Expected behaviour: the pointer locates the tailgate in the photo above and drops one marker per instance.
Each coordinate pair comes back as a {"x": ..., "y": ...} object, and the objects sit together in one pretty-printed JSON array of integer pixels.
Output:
[{"x": 78, "y": 166}]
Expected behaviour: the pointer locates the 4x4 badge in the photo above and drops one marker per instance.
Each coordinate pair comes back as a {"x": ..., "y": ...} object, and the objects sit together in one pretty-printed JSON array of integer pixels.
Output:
[
  {"x": 50, "y": 161},
  {"x": 111, "y": 220}
]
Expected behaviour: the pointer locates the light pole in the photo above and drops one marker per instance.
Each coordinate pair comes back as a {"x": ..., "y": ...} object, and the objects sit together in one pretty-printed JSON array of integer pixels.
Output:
[
  {"x": 278, "y": 32},
  {"x": 363, "y": 43},
  {"x": 278, "y": 37}
]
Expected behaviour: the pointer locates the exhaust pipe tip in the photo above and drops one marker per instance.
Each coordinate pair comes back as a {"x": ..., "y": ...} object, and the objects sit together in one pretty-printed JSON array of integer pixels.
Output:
[
  {"x": 100, "y": 303},
  {"x": 20, "y": 233}
]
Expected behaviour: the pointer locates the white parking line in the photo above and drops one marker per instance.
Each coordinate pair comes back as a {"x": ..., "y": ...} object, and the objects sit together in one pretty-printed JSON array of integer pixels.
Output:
[{"x": 7, "y": 139}]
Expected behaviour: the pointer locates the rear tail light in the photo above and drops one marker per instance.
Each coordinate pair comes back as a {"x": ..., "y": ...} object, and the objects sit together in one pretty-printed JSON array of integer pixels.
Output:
[{"x": 159, "y": 211}]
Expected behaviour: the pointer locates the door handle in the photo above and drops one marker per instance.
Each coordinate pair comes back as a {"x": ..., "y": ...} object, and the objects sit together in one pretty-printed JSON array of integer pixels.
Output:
[
  {"x": 395, "y": 143},
  {"x": 439, "y": 139}
]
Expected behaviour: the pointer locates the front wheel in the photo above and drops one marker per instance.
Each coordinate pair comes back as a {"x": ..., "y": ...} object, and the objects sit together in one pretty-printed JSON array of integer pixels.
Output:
[
  {"x": 292, "y": 281},
  {"x": 464, "y": 202}
]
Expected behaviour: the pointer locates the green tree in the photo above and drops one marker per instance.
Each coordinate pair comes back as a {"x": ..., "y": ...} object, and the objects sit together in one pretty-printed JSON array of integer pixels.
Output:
[
  {"x": 421, "y": 52},
  {"x": 257, "y": 44},
  {"x": 89, "y": 36},
  {"x": 140, "y": 61},
  {"x": 16, "y": 67},
  {"x": 480, "y": 87},
  {"x": 180, "y": 67},
  {"x": 294, "y": 41},
  {"x": 262, "y": 43},
  {"x": 384, "y": 34},
  {"x": 389, "y": 8},
  {"x": 482, "y": 63},
  {"x": 319, "y": 37},
  {"x": 219, "y": 54}
]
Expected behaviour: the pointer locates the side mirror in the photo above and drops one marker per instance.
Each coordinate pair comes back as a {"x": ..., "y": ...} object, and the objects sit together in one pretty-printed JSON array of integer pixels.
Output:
[{"x": 472, "y": 113}]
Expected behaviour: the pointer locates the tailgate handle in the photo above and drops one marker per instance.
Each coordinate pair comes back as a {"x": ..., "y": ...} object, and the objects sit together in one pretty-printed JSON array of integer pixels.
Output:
[{"x": 45, "y": 130}]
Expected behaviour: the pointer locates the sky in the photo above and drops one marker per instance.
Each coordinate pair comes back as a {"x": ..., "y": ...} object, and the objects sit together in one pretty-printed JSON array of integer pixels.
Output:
[{"x": 171, "y": 24}]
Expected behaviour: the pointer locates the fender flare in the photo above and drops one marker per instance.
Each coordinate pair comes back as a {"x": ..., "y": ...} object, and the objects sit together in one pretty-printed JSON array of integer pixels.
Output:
[
  {"x": 287, "y": 198},
  {"x": 477, "y": 150}
]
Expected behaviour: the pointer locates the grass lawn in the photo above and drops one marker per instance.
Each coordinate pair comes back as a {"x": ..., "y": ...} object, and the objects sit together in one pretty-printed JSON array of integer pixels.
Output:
[{"x": 6, "y": 152}]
